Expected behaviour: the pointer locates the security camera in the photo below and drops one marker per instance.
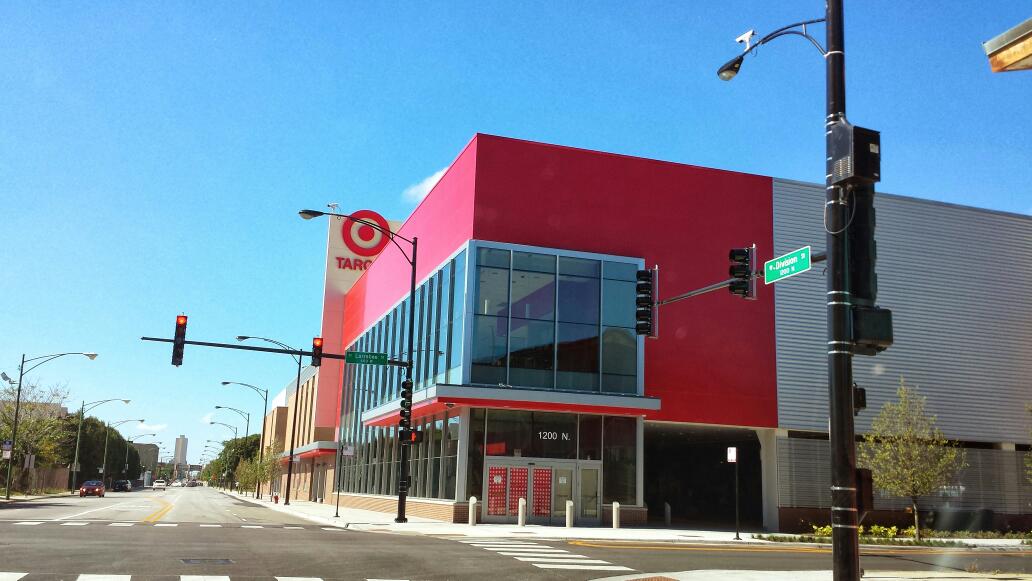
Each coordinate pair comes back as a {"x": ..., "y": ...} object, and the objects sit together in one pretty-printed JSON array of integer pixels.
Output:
[{"x": 746, "y": 38}]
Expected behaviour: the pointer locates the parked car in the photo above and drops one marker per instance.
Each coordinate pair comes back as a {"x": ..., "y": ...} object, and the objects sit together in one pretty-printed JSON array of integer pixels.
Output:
[
  {"x": 92, "y": 488},
  {"x": 158, "y": 484},
  {"x": 122, "y": 486},
  {"x": 177, "y": 483}
]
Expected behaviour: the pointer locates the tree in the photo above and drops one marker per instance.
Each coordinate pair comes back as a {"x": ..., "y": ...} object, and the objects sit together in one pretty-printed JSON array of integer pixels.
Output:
[
  {"x": 39, "y": 426},
  {"x": 907, "y": 454}
]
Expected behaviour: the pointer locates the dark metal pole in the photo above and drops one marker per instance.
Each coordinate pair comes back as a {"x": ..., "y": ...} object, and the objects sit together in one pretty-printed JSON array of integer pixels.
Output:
[
  {"x": 336, "y": 469},
  {"x": 103, "y": 470},
  {"x": 737, "y": 527},
  {"x": 14, "y": 431},
  {"x": 403, "y": 474},
  {"x": 845, "y": 541},
  {"x": 261, "y": 442},
  {"x": 293, "y": 431},
  {"x": 78, "y": 436}
]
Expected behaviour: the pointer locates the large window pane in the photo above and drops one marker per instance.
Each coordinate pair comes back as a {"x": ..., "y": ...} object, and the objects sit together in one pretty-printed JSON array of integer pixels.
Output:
[
  {"x": 579, "y": 266},
  {"x": 578, "y": 299},
  {"x": 589, "y": 442},
  {"x": 492, "y": 296},
  {"x": 620, "y": 460},
  {"x": 493, "y": 257},
  {"x": 531, "y": 434},
  {"x": 457, "y": 314},
  {"x": 531, "y": 353},
  {"x": 618, "y": 303},
  {"x": 443, "y": 323},
  {"x": 490, "y": 344},
  {"x": 533, "y": 295},
  {"x": 619, "y": 360},
  {"x": 475, "y": 458},
  {"x": 577, "y": 357},
  {"x": 619, "y": 271},
  {"x": 533, "y": 262}
]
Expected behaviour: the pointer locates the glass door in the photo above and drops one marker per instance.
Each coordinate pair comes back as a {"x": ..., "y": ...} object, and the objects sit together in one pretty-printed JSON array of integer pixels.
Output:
[
  {"x": 563, "y": 491},
  {"x": 589, "y": 497}
]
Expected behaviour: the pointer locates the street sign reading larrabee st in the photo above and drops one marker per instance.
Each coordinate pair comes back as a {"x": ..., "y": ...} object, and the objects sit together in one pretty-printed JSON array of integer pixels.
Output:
[
  {"x": 787, "y": 265},
  {"x": 365, "y": 358}
]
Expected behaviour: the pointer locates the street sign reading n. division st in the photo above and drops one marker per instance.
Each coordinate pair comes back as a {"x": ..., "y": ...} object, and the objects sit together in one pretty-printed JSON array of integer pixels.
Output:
[
  {"x": 365, "y": 358},
  {"x": 787, "y": 265}
]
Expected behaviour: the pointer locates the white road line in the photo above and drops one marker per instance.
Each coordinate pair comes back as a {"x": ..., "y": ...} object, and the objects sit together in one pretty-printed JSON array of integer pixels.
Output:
[
  {"x": 203, "y": 578},
  {"x": 532, "y": 554},
  {"x": 105, "y": 577},
  {"x": 583, "y": 567},
  {"x": 528, "y": 550},
  {"x": 252, "y": 527},
  {"x": 330, "y": 529},
  {"x": 74, "y": 524},
  {"x": 212, "y": 526},
  {"x": 166, "y": 524},
  {"x": 294, "y": 528},
  {"x": 580, "y": 561},
  {"x": 121, "y": 524},
  {"x": 519, "y": 544},
  {"x": 299, "y": 579},
  {"x": 30, "y": 522},
  {"x": 11, "y": 576},
  {"x": 93, "y": 510}
]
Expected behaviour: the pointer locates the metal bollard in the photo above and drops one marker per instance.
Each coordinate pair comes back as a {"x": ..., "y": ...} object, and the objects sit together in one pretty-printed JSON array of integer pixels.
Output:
[
  {"x": 666, "y": 513},
  {"x": 616, "y": 515},
  {"x": 472, "y": 511},
  {"x": 569, "y": 514},
  {"x": 521, "y": 515}
]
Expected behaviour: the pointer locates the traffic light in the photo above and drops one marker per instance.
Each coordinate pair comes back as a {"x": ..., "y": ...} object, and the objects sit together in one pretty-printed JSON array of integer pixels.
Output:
[
  {"x": 406, "y": 404},
  {"x": 645, "y": 322},
  {"x": 407, "y": 437},
  {"x": 316, "y": 351},
  {"x": 864, "y": 491},
  {"x": 179, "y": 341},
  {"x": 743, "y": 261}
]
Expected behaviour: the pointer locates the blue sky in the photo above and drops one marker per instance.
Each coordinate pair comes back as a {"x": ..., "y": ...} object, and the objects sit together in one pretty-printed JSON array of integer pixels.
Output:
[{"x": 153, "y": 155}]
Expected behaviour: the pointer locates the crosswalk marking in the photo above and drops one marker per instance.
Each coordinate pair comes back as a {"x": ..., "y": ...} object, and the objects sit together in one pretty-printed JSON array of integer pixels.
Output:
[
  {"x": 30, "y": 522},
  {"x": 203, "y": 578},
  {"x": 584, "y": 561},
  {"x": 11, "y": 576},
  {"x": 298, "y": 579},
  {"x": 583, "y": 567},
  {"x": 330, "y": 529},
  {"x": 294, "y": 528},
  {"x": 211, "y": 526},
  {"x": 121, "y": 524},
  {"x": 166, "y": 524},
  {"x": 529, "y": 550},
  {"x": 542, "y": 556},
  {"x": 252, "y": 527},
  {"x": 105, "y": 577},
  {"x": 74, "y": 524}
]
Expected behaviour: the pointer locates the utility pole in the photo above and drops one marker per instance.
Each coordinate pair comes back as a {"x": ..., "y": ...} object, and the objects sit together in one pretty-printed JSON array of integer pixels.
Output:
[{"x": 845, "y": 540}]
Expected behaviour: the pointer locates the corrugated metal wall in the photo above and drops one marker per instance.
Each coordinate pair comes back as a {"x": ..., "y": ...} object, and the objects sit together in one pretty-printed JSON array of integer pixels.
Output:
[
  {"x": 959, "y": 283},
  {"x": 993, "y": 479}
]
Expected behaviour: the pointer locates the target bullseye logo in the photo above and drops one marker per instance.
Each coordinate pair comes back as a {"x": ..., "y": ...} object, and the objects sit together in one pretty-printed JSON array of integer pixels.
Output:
[{"x": 362, "y": 239}]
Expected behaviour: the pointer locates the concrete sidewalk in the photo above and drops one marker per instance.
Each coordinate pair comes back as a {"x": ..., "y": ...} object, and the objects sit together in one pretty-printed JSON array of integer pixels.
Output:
[
  {"x": 23, "y": 497},
  {"x": 721, "y": 575},
  {"x": 357, "y": 519}
]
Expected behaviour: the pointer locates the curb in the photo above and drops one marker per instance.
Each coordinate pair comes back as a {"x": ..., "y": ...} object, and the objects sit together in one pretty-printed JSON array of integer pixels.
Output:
[
  {"x": 281, "y": 508},
  {"x": 4, "y": 501}
]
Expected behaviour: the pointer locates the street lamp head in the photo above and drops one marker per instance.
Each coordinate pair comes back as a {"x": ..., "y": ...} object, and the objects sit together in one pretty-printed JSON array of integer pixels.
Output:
[
  {"x": 730, "y": 68},
  {"x": 90, "y": 356},
  {"x": 226, "y": 382},
  {"x": 125, "y": 401},
  {"x": 242, "y": 337},
  {"x": 309, "y": 214},
  {"x": 218, "y": 407}
]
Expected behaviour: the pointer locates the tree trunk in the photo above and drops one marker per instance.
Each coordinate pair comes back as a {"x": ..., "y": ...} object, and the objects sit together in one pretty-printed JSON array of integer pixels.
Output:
[{"x": 917, "y": 521}]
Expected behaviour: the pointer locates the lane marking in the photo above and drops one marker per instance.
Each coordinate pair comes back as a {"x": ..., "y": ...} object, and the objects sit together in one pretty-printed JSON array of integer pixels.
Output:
[
  {"x": 75, "y": 524},
  {"x": 30, "y": 522},
  {"x": 295, "y": 528},
  {"x": 252, "y": 527},
  {"x": 11, "y": 576},
  {"x": 166, "y": 524},
  {"x": 581, "y": 561},
  {"x": 161, "y": 512},
  {"x": 203, "y": 578},
  {"x": 529, "y": 554},
  {"x": 583, "y": 567},
  {"x": 301, "y": 579},
  {"x": 528, "y": 550},
  {"x": 93, "y": 510},
  {"x": 105, "y": 577},
  {"x": 330, "y": 529},
  {"x": 211, "y": 526},
  {"x": 121, "y": 524}
]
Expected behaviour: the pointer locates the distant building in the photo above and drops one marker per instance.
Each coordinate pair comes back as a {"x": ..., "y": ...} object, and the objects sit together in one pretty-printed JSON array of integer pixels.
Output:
[{"x": 180, "y": 453}]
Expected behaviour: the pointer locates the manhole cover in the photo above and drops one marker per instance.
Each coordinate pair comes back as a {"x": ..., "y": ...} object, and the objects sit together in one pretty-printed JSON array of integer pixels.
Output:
[{"x": 207, "y": 561}]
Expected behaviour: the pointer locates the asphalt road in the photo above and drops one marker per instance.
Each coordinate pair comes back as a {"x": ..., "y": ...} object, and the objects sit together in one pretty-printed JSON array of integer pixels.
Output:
[{"x": 201, "y": 532}]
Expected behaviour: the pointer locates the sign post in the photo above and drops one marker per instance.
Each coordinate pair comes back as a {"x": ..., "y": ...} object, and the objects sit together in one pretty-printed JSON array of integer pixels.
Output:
[
  {"x": 732, "y": 458},
  {"x": 786, "y": 265}
]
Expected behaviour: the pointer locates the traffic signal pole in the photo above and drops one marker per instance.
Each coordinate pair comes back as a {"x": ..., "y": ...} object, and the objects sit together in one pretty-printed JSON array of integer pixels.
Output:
[
  {"x": 844, "y": 533},
  {"x": 403, "y": 474}
]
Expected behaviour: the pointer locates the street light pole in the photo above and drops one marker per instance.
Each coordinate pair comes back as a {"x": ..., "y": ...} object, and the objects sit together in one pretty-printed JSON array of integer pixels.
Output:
[
  {"x": 243, "y": 414},
  {"x": 405, "y": 423},
  {"x": 844, "y": 517},
  {"x": 107, "y": 431},
  {"x": 261, "y": 440},
  {"x": 127, "y": 442}
]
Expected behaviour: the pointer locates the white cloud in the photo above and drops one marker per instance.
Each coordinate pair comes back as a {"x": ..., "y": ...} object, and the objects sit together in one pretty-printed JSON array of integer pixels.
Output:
[
  {"x": 416, "y": 192},
  {"x": 142, "y": 427},
  {"x": 207, "y": 418}
]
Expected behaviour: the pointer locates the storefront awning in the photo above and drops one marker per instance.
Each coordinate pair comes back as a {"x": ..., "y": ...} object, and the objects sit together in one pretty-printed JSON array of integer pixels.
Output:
[
  {"x": 310, "y": 450},
  {"x": 437, "y": 399}
]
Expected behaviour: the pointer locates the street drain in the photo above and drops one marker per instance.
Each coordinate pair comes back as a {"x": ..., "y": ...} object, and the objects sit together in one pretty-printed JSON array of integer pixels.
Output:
[{"x": 207, "y": 561}]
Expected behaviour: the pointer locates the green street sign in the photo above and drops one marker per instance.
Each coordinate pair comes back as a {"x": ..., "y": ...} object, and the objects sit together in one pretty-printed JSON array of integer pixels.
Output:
[
  {"x": 365, "y": 358},
  {"x": 786, "y": 265}
]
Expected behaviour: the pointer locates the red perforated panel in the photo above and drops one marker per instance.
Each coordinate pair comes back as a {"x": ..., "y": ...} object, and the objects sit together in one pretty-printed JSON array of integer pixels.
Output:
[
  {"x": 517, "y": 488},
  {"x": 542, "y": 492},
  {"x": 496, "y": 482}
]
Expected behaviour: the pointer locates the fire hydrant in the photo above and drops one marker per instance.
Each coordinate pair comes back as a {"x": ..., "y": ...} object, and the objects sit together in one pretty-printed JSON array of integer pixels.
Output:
[{"x": 275, "y": 499}]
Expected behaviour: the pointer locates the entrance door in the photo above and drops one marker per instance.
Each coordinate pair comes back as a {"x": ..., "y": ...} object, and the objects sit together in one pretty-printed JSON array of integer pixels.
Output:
[
  {"x": 545, "y": 485},
  {"x": 589, "y": 497}
]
